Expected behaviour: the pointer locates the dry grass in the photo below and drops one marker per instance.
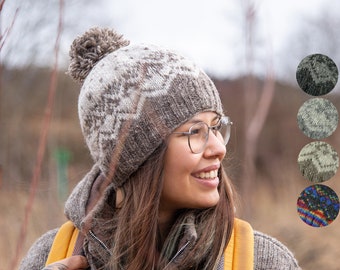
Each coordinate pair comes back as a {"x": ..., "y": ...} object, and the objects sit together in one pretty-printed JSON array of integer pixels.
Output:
[{"x": 46, "y": 214}]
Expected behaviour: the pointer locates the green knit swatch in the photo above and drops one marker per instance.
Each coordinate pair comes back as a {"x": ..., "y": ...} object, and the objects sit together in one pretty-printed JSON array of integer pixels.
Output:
[{"x": 317, "y": 74}]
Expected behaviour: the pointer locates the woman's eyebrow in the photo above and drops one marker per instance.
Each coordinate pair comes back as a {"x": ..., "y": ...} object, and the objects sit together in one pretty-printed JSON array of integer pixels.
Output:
[
  {"x": 193, "y": 121},
  {"x": 197, "y": 120}
]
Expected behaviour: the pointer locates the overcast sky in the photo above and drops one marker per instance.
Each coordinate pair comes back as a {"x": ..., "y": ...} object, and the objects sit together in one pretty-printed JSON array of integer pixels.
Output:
[{"x": 210, "y": 32}]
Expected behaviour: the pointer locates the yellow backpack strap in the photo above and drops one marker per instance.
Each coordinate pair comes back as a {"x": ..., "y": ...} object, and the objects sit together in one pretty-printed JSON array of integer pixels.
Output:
[
  {"x": 63, "y": 243},
  {"x": 239, "y": 254}
]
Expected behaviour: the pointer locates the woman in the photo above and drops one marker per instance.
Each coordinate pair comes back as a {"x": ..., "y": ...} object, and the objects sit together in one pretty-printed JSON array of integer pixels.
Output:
[{"x": 157, "y": 196}]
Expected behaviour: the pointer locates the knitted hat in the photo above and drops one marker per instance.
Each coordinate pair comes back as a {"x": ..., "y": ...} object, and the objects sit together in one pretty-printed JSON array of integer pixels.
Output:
[{"x": 133, "y": 97}]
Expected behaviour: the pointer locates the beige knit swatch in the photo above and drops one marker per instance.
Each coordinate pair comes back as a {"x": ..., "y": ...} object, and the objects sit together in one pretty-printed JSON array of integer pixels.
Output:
[{"x": 318, "y": 161}]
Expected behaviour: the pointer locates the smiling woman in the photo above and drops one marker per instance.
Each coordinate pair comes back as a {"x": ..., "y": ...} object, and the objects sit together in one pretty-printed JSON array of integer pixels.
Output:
[
  {"x": 191, "y": 181},
  {"x": 157, "y": 196}
]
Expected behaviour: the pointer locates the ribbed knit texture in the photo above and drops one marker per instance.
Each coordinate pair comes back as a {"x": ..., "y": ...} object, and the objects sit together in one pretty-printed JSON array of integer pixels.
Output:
[
  {"x": 272, "y": 254},
  {"x": 36, "y": 256}
]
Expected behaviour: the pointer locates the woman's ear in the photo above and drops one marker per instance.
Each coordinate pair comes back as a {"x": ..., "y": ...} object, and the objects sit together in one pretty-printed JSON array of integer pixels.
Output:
[{"x": 119, "y": 197}]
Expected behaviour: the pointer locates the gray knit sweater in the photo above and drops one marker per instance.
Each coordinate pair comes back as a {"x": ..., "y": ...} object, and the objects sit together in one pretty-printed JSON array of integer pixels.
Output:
[{"x": 269, "y": 253}]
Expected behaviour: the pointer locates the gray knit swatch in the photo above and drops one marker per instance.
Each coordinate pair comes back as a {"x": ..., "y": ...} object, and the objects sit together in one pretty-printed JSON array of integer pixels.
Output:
[
  {"x": 317, "y": 118},
  {"x": 318, "y": 161},
  {"x": 317, "y": 74}
]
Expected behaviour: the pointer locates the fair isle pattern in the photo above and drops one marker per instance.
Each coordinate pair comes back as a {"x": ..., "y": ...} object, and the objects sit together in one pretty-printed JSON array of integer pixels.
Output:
[
  {"x": 134, "y": 98},
  {"x": 317, "y": 118},
  {"x": 318, "y": 161},
  {"x": 318, "y": 205}
]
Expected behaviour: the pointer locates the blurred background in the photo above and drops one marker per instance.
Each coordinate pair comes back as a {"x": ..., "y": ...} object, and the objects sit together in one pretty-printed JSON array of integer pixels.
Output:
[{"x": 250, "y": 48}]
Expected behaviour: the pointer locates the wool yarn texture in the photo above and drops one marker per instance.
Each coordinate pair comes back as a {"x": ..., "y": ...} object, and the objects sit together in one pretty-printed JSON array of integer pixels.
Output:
[
  {"x": 318, "y": 161},
  {"x": 132, "y": 98},
  {"x": 318, "y": 205},
  {"x": 317, "y": 118},
  {"x": 317, "y": 74}
]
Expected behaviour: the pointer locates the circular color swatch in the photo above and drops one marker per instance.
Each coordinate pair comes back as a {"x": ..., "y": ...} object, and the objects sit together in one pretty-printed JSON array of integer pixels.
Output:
[
  {"x": 317, "y": 118},
  {"x": 318, "y": 162},
  {"x": 318, "y": 205},
  {"x": 317, "y": 74}
]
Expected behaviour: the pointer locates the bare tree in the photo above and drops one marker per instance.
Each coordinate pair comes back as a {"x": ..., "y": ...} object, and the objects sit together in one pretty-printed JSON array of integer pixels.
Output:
[
  {"x": 256, "y": 106},
  {"x": 31, "y": 41},
  {"x": 4, "y": 34},
  {"x": 42, "y": 142}
]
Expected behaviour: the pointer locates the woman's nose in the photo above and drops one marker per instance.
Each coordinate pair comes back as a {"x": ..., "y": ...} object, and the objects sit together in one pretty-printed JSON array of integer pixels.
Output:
[{"x": 215, "y": 146}]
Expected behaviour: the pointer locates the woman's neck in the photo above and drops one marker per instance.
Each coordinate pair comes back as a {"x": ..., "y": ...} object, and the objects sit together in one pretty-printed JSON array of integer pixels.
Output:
[{"x": 165, "y": 222}]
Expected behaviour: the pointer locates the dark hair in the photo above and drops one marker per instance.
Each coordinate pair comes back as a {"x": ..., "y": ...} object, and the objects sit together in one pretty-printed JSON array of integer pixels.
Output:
[{"x": 133, "y": 231}]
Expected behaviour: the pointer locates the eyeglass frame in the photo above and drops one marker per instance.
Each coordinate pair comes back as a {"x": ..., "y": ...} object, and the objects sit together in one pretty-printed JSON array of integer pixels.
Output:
[{"x": 224, "y": 120}]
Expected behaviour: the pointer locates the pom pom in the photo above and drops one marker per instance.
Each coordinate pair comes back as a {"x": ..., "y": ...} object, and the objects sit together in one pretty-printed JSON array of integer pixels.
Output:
[{"x": 88, "y": 49}]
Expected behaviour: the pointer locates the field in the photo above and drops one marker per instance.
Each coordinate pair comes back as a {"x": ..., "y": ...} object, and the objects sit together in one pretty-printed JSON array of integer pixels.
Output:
[{"x": 267, "y": 199}]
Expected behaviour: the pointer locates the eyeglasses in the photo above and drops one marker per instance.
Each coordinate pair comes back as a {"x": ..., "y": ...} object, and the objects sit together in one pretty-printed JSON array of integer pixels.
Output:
[{"x": 198, "y": 134}]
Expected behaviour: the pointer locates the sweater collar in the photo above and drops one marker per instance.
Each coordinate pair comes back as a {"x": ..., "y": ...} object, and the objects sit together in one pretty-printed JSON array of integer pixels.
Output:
[{"x": 88, "y": 197}]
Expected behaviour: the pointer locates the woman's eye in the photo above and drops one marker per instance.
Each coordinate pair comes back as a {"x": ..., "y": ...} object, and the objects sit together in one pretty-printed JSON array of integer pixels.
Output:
[
  {"x": 217, "y": 127},
  {"x": 195, "y": 131}
]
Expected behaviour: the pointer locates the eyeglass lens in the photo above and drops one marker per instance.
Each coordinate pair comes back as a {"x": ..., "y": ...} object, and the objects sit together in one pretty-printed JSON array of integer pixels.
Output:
[
  {"x": 225, "y": 129},
  {"x": 199, "y": 134},
  {"x": 198, "y": 137}
]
